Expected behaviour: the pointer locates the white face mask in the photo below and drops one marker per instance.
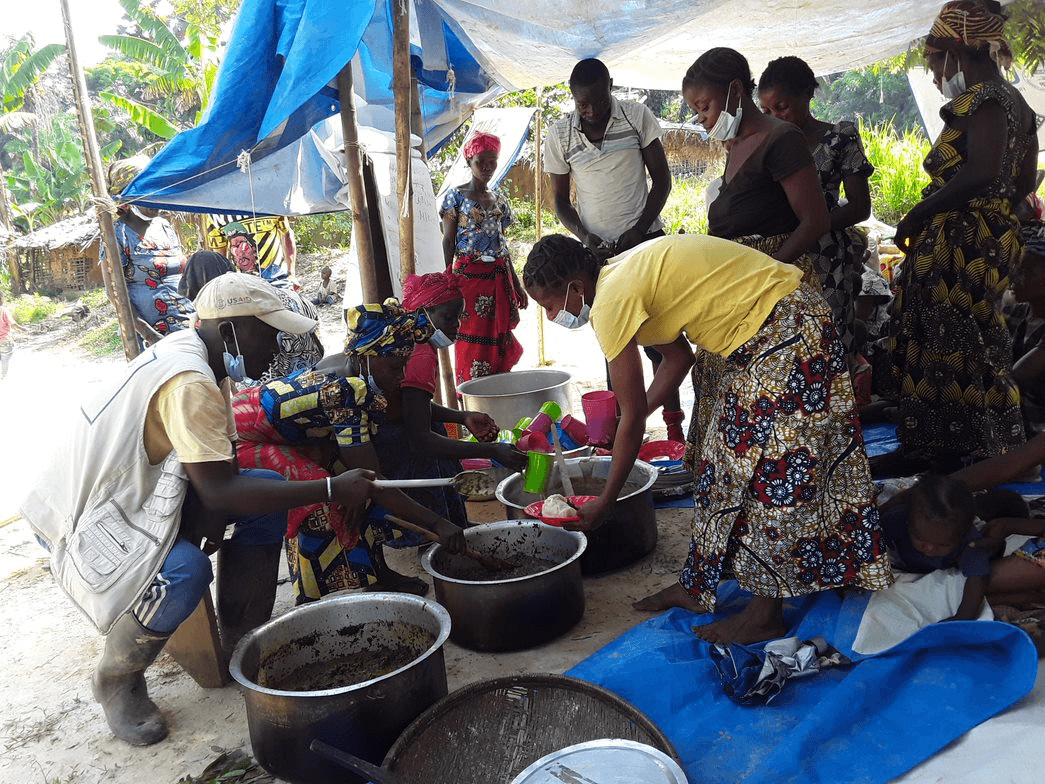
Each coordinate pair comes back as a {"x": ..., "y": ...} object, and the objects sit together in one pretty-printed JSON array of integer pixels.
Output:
[
  {"x": 955, "y": 86},
  {"x": 727, "y": 125},
  {"x": 371, "y": 381},
  {"x": 439, "y": 339},
  {"x": 566, "y": 319}
]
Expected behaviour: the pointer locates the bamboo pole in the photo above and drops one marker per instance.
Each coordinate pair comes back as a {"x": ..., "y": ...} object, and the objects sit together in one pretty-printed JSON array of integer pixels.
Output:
[
  {"x": 538, "y": 183},
  {"x": 112, "y": 269},
  {"x": 361, "y": 237},
  {"x": 401, "y": 75}
]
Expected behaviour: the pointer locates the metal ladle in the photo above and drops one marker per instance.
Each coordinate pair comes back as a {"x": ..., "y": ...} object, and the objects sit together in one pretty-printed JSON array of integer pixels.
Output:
[{"x": 467, "y": 483}]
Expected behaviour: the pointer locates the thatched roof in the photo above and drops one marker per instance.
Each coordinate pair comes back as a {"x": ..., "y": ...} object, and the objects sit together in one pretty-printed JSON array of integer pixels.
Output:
[{"x": 80, "y": 231}]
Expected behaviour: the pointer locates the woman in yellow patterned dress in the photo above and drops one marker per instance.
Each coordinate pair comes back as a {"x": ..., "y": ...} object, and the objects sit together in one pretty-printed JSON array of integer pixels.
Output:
[{"x": 951, "y": 351}]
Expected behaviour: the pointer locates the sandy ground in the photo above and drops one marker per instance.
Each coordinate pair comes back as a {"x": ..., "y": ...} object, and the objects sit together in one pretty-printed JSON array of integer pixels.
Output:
[{"x": 52, "y": 732}]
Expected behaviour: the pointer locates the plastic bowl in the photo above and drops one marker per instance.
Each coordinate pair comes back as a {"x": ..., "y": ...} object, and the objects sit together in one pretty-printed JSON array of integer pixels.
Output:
[
  {"x": 667, "y": 450},
  {"x": 534, "y": 510}
]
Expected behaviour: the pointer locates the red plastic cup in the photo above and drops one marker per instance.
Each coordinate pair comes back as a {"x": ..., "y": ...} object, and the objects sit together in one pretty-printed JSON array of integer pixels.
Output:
[
  {"x": 600, "y": 412},
  {"x": 576, "y": 429},
  {"x": 534, "y": 442}
]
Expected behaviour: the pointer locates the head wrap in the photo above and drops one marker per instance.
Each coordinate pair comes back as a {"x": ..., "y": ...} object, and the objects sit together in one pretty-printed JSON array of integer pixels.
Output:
[
  {"x": 481, "y": 142},
  {"x": 1034, "y": 238},
  {"x": 427, "y": 291},
  {"x": 236, "y": 229},
  {"x": 969, "y": 23},
  {"x": 385, "y": 330},
  {"x": 121, "y": 173}
]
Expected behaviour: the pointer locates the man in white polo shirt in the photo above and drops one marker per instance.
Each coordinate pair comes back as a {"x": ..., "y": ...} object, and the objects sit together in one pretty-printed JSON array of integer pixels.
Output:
[{"x": 606, "y": 147}]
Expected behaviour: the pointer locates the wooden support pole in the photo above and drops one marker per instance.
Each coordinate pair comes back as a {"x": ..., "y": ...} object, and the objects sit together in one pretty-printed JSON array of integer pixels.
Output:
[
  {"x": 112, "y": 269},
  {"x": 361, "y": 237},
  {"x": 538, "y": 199},
  {"x": 401, "y": 75}
]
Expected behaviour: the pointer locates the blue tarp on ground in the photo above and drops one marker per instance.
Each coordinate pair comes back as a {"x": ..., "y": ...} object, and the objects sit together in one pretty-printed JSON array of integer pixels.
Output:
[{"x": 861, "y": 724}]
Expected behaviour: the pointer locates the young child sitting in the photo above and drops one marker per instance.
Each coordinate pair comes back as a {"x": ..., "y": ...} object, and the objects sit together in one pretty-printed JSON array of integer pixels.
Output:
[
  {"x": 325, "y": 296},
  {"x": 930, "y": 527}
]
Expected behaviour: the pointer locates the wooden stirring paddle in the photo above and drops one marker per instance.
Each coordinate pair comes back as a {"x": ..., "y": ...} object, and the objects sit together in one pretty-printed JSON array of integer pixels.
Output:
[{"x": 488, "y": 562}]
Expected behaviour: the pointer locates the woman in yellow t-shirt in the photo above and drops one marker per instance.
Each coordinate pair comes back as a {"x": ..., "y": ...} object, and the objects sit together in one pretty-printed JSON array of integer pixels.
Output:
[{"x": 783, "y": 494}]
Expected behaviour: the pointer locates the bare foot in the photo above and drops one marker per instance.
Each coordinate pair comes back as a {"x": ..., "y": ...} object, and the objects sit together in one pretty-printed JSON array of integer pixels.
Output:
[
  {"x": 761, "y": 620},
  {"x": 674, "y": 596}
]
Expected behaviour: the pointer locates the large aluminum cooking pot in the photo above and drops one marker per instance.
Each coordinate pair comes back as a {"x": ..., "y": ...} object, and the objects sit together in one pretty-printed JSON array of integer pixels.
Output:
[
  {"x": 629, "y": 532},
  {"x": 363, "y": 718},
  {"x": 508, "y": 397},
  {"x": 509, "y": 614}
]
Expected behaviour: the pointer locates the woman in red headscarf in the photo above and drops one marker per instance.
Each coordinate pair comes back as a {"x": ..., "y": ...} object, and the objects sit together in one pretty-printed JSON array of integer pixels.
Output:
[
  {"x": 412, "y": 442},
  {"x": 474, "y": 220}
]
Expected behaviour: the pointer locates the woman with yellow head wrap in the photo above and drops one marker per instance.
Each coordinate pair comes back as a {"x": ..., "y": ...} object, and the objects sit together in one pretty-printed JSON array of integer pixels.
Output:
[
  {"x": 950, "y": 349},
  {"x": 323, "y": 421}
]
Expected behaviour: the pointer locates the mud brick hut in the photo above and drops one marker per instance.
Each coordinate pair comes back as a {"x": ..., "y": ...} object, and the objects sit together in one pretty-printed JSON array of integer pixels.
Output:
[{"x": 61, "y": 256}]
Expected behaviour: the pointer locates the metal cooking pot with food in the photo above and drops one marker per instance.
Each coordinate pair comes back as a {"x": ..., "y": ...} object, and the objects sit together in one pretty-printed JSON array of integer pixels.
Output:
[
  {"x": 352, "y": 671},
  {"x": 509, "y": 611},
  {"x": 630, "y": 530}
]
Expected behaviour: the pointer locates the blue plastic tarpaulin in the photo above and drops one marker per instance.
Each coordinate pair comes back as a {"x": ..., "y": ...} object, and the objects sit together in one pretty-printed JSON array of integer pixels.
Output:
[{"x": 862, "y": 724}]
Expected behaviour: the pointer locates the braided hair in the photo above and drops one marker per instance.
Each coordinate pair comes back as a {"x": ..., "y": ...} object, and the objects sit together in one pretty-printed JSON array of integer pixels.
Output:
[
  {"x": 790, "y": 73},
  {"x": 719, "y": 67},
  {"x": 555, "y": 259}
]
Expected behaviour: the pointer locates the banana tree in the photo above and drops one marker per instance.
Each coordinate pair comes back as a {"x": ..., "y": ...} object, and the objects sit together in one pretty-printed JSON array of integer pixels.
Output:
[{"x": 176, "y": 74}]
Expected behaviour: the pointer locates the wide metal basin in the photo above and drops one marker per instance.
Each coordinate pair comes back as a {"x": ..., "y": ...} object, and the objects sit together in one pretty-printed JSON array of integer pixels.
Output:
[
  {"x": 493, "y": 613},
  {"x": 508, "y": 397},
  {"x": 630, "y": 531},
  {"x": 363, "y": 718}
]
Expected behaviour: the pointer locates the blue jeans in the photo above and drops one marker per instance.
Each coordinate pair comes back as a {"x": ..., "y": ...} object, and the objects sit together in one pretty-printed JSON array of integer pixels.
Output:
[{"x": 186, "y": 573}]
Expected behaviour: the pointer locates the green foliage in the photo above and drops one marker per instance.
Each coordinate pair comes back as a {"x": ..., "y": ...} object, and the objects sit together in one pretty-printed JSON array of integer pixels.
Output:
[
  {"x": 103, "y": 341},
  {"x": 327, "y": 230},
  {"x": 21, "y": 69},
  {"x": 874, "y": 95},
  {"x": 95, "y": 298},
  {"x": 685, "y": 210},
  {"x": 51, "y": 183},
  {"x": 1025, "y": 31},
  {"x": 160, "y": 79},
  {"x": 897, "y": 182},
  {"x": 29, "y": 310}
]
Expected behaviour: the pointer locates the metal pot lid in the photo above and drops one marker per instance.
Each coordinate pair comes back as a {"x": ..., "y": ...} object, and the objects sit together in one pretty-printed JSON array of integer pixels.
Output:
[{"x": 607, "y": 761}]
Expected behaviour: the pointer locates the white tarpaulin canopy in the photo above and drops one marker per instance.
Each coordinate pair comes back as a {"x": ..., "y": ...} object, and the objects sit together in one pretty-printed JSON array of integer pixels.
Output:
[{"x": 652, "y": 44}]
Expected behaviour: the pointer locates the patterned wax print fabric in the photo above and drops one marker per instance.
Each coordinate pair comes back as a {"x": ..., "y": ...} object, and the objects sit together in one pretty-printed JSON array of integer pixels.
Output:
[
  {"x": 838, "y": 255},
  {"x": 296, "y": 352},
  {"x": 783, "y": 500},
  {"x": 480, "y": 231},
  {"x": 278, "y": 424},
  {"x": 152, "y": 267},
  {"x": 485, "y": 343},
  {"x": 270, "y": 233},
  {"x": 950, "y": 350},
  {"x": 709, "y": 366}
]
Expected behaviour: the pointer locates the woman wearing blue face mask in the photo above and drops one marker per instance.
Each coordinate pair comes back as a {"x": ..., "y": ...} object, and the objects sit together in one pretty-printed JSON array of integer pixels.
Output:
[
  {"x": 323, "y": 421},
  {"x": 784, "y": 498},
  {"x": 769, "y": 195},
  {"x": 950, "y": 349}
]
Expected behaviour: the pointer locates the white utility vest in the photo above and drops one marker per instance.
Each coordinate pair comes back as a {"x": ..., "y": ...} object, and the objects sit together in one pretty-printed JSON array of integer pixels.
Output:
[{"x": 108, "y": 517}]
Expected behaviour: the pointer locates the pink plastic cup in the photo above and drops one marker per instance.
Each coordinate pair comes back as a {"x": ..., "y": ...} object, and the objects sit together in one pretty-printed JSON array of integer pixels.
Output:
[
  {"x": 576, "y": 429},
  {"x": 600, "y": 413}
]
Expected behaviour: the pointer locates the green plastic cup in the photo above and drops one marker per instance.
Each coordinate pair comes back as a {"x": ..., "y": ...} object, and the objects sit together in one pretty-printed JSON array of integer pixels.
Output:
[{"x": 538, "y": 471}]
